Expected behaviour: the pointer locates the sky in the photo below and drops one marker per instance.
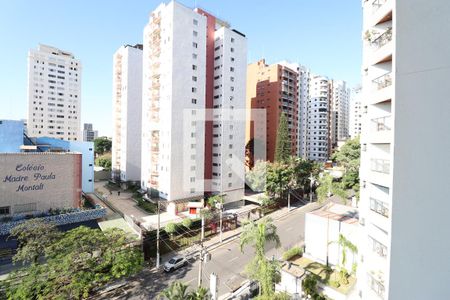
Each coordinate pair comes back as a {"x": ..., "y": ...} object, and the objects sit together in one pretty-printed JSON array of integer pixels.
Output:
[{"x": 324, "y": 35}]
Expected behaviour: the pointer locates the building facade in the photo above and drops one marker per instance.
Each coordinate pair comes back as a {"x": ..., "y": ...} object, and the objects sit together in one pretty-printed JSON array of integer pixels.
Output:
[
  {"x": 339, "y": 112},
  {"x": 356, "y": 110},
  {"x": 404, "y": 167},
  {"x": 192, "y": 79},
  {"x": 32, "y": 182},
  {"x": 275, "y": 89},
  {"x": 317, "y": 128},
  {"x": 89, "y": 134},
  {"x": 127, "y": 113},
  {"x": 54, "y": 93}
]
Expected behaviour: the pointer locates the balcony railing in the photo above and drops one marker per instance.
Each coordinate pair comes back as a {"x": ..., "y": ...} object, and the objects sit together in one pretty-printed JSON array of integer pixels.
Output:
[
  {"x": 383, "y": 123},
  {"x": 382, "y": 39},
  {"x": 383, "y": 81},
  {"x": 380, "y": 165},
  {"x": 379, "y": 207},
  {"x": 376, "y": 4}
]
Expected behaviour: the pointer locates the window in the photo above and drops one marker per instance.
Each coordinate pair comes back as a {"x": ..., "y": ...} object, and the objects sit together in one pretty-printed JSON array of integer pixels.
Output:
[
  {"x": 195, "y": 22},
  {"x": 232, "y": 49},
  {"x": 229, "y": 184},
  {"x": 194, "y": 89},
  {"x": 192, "y": 179},
  {"x": 231, "y": 69},
  {"x": 194, "y": 101},
  {"x": 5, "y": 210},
  {"x": 194, "y": 44},
  {"x": 378, "y": 247},
  {"x": 194, "y": 67},
  {"x": 379, "y": 207},
  {"x": 194, "y": 56},
  {"x": 195, "y": 33},
  {"x": 232, "y": 40},
  {"x": 194, "y": 78}
]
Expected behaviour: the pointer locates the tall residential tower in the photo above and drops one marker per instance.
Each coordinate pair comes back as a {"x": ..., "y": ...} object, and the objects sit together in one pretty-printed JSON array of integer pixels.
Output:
[
  {"x": 54, "y": 94},
  {"x": 404, "y": 245},
  {"x": 194, "y": 68},
  {"x": 127, "y": 113}
]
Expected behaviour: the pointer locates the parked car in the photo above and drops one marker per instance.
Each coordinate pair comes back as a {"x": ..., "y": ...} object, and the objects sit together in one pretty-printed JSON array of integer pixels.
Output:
[{"x": 175, "y": 263}]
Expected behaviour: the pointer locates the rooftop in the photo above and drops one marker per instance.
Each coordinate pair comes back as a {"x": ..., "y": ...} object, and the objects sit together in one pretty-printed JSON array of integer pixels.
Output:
[{"x": 338, "y": 212}]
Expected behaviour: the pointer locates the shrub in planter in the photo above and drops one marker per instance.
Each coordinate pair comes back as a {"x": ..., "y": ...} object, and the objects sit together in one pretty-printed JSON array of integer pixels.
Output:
[
  {"x": 171, "y": 228},
  {"x": 294, "y": 251},
  {"x": 187, "y": 223}
]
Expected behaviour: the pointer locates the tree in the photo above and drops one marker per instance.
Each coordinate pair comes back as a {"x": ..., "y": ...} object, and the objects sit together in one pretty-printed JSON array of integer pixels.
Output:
[
  {"x": 283, "y": 143},
  {"x": 187, "y": 223},
  {"x": 256, "y": 178},
  {"x": 349, "y": 158},
  {"x": 171, "y": 228},
  {"x": 344, "y": 244},
  {"x": 79, "y": 261},
  {"x": 102, "y": 145},
  {"x": 328, "y": 187},
  {"x": 33, "y": 236},
  {"x": 175, "y": 291},
  {"x": 179, "y": 291},
  {"x": 279, "y": 179},
  {"x": 213, "y": 201},
  {"x": 260, "y": 268},
  {"x": 309, "y": 287},
  {"x": 105, "y": 162}
]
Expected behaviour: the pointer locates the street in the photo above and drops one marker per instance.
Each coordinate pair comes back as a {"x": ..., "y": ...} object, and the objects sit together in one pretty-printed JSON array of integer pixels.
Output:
[{"x": 227, "y": 261}]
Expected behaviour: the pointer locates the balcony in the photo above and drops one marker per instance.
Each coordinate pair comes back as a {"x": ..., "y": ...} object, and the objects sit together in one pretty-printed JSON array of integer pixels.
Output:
[
  {"x": 382, "y": 123},
  {"x": 383, "y": 81},
  {"x": 381, "y": 46},
  {"x": 381, "y": 11},
  {"x": 380, "y": 165},
  {"x": 381, "y": 130}
]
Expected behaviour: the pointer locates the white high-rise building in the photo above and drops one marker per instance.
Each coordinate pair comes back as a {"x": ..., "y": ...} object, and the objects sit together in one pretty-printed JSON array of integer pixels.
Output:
[
  {"x": 355, "y": 113},
  {"x": 317, "y": 120},
  {"x": 127, "y": 113},
  {"x": 54, "y": 94},
  {"x": 405, "y": 228},
  {"x": 339, "y": 112},
  {"x": 192, "y": 62}
]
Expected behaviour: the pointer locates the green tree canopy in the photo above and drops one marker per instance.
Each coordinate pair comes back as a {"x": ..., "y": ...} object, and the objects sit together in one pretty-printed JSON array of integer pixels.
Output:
[
  {"x": 102, "y": 145},
  {"x": 33, "y": 237},
  {"x": 179, "y": 291},
  {"x": 349, "y": 158},
  {"x": 79, "y": 261},
  {"x": 283, "y": 142},
  {"x": 266, "y": 272}
]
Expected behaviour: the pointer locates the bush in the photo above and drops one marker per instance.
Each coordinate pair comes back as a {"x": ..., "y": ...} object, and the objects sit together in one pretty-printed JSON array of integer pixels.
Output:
[
  {"x": 147, "y": 206},
  {"x": 171, "y": 228},
  {"x": 187, "y": 223},
  {"x": 294, "y": 251}
]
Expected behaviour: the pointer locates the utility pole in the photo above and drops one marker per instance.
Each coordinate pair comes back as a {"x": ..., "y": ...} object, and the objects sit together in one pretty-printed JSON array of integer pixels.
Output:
[
  {"x": 311, "y": 179},
  {"x": 289, "y": 200},
  {"x": 200, "y": 267},
  {"x": 157, "y": 238},
  {"x": 220, "y": 221}
]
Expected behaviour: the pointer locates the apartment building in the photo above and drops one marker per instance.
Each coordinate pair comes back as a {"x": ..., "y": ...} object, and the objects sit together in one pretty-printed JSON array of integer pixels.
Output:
[
  {"x": 316, "y": 125},
  {"x": 127, "y": 114},
  {"x": 356, "y": 110},
  {"x": 404, "y": 203},
  {"x": 89, "y": 134},
  {"x": 339, "y": 112},
  {"x": 193, "y": 79},
  {"x": 273, "y": 88},
  {"x": 54, "y": 93}
]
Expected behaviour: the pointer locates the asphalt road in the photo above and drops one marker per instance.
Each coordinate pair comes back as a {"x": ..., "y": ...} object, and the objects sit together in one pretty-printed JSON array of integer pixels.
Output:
[{"x": 227, "y": 261}]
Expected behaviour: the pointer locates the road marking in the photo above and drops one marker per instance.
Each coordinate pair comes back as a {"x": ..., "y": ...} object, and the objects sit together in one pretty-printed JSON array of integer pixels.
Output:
[{"x": 233, "y": 259}]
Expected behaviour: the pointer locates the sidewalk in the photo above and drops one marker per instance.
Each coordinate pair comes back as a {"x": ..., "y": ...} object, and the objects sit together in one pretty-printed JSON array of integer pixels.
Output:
[{"x": 231, "y": 235}]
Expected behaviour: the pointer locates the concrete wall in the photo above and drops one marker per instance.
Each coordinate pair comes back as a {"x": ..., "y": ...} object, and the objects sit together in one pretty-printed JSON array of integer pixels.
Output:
[
  {"x": 39, "y": 181},
  {"x": 420, "y": 230},
  {"x": 11, "y": 135}
]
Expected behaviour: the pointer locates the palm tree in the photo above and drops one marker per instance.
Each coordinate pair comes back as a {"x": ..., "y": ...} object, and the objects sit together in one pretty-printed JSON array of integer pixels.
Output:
[
  {"x": 345, "y": 245},
  {"x": 260, "y": 268},
  {"x": 200, "y": 294},
  {"x": 175, "y": 291}
]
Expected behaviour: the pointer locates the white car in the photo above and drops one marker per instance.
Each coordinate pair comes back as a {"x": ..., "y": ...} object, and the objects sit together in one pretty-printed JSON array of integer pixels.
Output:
[{"x": 175, "y": 263}]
